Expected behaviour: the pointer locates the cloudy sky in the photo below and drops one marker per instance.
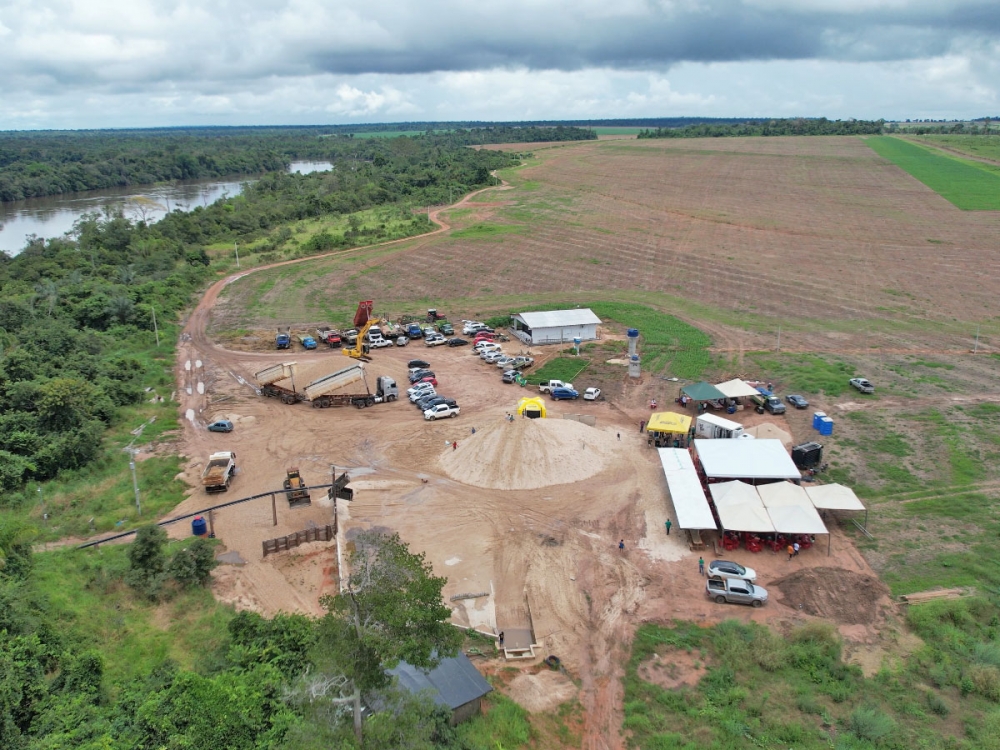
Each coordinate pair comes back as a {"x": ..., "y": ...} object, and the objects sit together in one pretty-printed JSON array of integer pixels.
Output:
[{"x": 117, "y": 63}]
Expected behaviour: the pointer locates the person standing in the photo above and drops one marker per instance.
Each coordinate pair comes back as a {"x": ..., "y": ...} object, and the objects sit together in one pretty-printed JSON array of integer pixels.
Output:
[
  {"x": 619, "y": 437},
  {"x": 454, "y": 446},
  {"x": 501, "y": 639},
  {"x": 795, "y": 549},
  {"x": 642, "y": 425},
  {"x": 791, "y": 552},
  {"x": 701, "y": 566},
  {"x": 668, "y": 523},
  {"x": 621, "y": 546}
]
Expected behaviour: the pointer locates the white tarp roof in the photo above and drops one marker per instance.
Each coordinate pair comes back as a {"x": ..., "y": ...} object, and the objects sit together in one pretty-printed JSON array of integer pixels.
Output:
[
  {"x": 834, "y": 497},
  {"x": 559, "y": 318},
  {"x": 790, "y": 509},
  {"x": 740, "y": 507},
  {"x": 766, "y": 430},
  {"x": 736, "y": 388},
  {"x": 746, "y": 459},
  {"x": 686, "y": 492}
]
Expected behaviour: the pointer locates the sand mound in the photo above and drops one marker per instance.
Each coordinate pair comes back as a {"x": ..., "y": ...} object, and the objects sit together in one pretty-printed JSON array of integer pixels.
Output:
[
  {"x": 529, "y": 453},
  {"x": 842, "y": 596},
  {"x": 541, "y": 692}
]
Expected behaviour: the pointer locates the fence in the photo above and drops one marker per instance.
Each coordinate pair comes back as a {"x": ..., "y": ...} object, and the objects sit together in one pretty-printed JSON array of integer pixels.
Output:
[{"x": 285, "y": 543}]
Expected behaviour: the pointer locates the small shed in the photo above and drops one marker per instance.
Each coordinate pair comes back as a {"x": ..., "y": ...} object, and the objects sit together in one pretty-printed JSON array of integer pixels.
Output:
[
  {"x": 555, "y": 326},
  {"x": 454, "y": 683}
]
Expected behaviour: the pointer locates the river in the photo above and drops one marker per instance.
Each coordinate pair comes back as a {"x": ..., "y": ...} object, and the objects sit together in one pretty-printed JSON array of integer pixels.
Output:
[{"x": 55, "y": 215}]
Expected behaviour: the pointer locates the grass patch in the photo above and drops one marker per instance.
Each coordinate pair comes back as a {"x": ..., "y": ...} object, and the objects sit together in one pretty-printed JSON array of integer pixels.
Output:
[
  {"x": 504, "y": 724},
  {"x": 565, "y": 369},
  {"x": 971, "y": 186},
  {"x": 487, "y": 232},
  {"x": 806, "y": 373}
]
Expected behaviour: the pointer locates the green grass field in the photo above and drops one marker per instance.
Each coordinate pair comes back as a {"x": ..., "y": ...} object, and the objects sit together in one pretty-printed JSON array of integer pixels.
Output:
[
  {"x": 975, "y": 145},
  {"x": 971, "y": 186},
  {"x": 617, "y": 131}
]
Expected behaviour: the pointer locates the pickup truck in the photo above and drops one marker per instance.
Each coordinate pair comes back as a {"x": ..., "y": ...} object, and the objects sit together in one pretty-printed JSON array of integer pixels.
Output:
[
  {"x": 441, "y": 411},
  {"x": 862, "y": 384},
  {"x": 546, "y": 386},
  {"x": 735, "y": 591}
]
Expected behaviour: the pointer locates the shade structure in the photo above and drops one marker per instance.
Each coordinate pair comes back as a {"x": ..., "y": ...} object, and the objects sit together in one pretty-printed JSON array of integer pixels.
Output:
[
  {"x": 686, "y": 492},
  {"x": 668, "y": 421},
  {"x": 768, "y": 431},
  {"x": 746, "y": 459},
  {"x": 834, "y": 497},
  {"x": 703, "y": 392},
  {"x": 740, "y": 507},
  {"x": 790, "y": 509},
  {"x": 736, "y": 389}
]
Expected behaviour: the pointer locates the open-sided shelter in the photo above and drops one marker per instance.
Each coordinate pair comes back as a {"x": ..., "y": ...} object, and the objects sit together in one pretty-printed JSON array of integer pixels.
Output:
[
  {"x": 790, "y": 509},
  {"x": 664, "y": 427},
  {"x": 736, "y": 388},
  {"x": 753, "y": 460},
  {"x": 836, "y": 497},
  {"x": 686, "y": 492},
  {"x": 702, "y": 392},
  {"x": 740, "y": 508}
]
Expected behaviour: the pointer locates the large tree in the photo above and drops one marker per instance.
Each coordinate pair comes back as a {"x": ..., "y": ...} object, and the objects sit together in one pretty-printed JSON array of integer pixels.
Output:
[{"x": 390, "y": 610}]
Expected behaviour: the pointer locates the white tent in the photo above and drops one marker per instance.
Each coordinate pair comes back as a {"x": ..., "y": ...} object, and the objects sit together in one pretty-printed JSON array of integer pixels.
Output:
[
  {"x": 740, "y": 507},
  {"x": 790, "y": 509},
  {"x": 690, "y": 503},
  {"x": 834, "y": 497},
  {"x": 736, "y": 389},
  {"x": 746, "y": 459}
]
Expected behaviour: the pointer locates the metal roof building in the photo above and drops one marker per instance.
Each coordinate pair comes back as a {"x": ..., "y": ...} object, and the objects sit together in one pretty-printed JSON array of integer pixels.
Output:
[
  {"x": 555, "y": 326},
  {"x": 454, "y": 683}
]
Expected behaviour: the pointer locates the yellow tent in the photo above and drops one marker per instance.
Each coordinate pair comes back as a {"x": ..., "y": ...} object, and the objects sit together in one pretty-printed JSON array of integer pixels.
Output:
[
  {"x": 668, "y": 421},
  {"x": 532, "y": 408}
]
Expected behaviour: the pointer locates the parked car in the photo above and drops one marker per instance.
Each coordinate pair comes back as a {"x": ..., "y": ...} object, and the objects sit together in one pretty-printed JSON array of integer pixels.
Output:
[
  {"x": 414, "y": 332},
  {"x": 863, "y": 385},
  {"x": 522, "y": 363},
  {"x": 592, "y": 394},
  {"x": 418, "y": 363},
  {"x": 221, "y": 425},
  {"x": 735, "y": 591},
  {"x": 435, "y": 339},
  {"x": 546, "y": 386},
  {"x": 564, "y": 394},
  {"x": 446, "y": 328},
  {"x": 797, "y": 401},
  {"x": 432, "y": 401},
  {"x": 510, "y": 376},
  {"x": 473, "y": 327},
  {"x": 418, "y": 374},
  {"x": 457, "y": 342},
  {"x": 380, "y": 343},
  {"x": 402, "y": 340},
  {"x": 730, "y": 569},
  {"x": 441, "y": 411},
  {"x": 504, "y": 362},
  {"x": 422, "y": 389},
  {"x": 427, "y": 379},
  {"x": 492, "y": 357}
]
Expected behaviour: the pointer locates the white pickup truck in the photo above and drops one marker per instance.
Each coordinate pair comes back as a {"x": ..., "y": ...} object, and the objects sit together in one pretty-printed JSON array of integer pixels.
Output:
[
  {"x": 441, "y": 411},
  {"x": 735, "y": 591},
  {"x": 546, "y": 386}
]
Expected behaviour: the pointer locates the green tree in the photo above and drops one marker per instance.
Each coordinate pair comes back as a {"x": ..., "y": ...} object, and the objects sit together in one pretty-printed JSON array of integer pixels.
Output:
[
  {"x": 391, "y": 610},
  {"x": 15, "y": 548},
  {"x": 147, "y": 561},
  {"x": 193, "y": 565}
]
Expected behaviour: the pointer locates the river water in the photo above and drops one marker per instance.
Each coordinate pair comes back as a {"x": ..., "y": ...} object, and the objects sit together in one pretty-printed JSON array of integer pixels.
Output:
[{"x": 55, "y": 215}]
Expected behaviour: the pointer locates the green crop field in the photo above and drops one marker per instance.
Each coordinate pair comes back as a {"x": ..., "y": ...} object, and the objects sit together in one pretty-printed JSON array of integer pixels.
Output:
[
  {"x": 975, "y": 145},
  {"x": 970, "y": 186}
]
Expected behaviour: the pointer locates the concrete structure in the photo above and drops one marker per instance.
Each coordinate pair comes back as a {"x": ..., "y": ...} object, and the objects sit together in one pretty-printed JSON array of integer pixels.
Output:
[{"x": 556, "y": 326}]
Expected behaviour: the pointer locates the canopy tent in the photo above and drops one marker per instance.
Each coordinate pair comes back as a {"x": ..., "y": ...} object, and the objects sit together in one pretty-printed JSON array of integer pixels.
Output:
[
  {"x": 686, "y": 492},
  {"x": 766, "y": 430},
  {"x": 790, "y": 509},
  {"x": 668, "y": 421},
  {"x": 740, "y": 507},
  {"x": 531, "y": 407},
  {"x": 736, "y": 389},
  {"x": 834, "y": 497},
  {"x": 702, "y": 392},
  {"x": 745, "y": 459}
]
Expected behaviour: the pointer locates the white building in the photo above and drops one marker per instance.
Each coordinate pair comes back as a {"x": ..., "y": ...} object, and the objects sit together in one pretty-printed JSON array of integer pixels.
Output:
[{"x": 555, "y": 326}]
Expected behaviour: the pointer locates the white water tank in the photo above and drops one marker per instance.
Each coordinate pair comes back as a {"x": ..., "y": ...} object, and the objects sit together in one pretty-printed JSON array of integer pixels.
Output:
[
  {"x": 633, "y": 341},
  {"x": 633, "y": 366}
]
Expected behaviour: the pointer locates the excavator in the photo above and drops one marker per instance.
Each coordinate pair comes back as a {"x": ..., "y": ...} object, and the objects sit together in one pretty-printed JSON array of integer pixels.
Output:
[{"x": 360, "y": 348}]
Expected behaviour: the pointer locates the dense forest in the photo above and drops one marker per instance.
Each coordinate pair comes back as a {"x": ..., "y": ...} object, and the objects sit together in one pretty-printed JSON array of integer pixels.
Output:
[
  {"x": 76, "y": 314},
  {"x": 34, "y": 164},
  {"x": 797, "y": 126}
]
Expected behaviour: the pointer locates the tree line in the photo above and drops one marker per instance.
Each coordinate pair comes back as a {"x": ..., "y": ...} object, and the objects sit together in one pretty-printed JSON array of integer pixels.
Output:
[
  {"x": 35, "y": 164},
  {"x": 76, "y": 313},
  {"x": 757, "y": 128}
]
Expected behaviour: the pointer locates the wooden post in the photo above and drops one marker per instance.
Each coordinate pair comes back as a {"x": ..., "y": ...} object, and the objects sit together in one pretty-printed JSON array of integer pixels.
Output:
[
  {"x": 333, "y": 496},
  {"x": 211, "y": 524},
  {"x": 274, "y": 509}
]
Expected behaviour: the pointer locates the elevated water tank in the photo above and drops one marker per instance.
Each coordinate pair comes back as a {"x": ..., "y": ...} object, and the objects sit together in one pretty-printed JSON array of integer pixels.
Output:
[{"x": 633, "y": 341}]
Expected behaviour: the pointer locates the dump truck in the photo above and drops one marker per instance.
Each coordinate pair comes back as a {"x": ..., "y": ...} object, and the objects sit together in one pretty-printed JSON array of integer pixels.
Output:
[
  {"x": 220, "y": 471},
  {"x": 268, "y": 378},
  {"x": 329, "y": 336},
  {"x": 283, "y": 339},
  {"x": 335, "y": 389},
  {"x": 307, "y": 341},
  {"x": 295, "y": 489}
]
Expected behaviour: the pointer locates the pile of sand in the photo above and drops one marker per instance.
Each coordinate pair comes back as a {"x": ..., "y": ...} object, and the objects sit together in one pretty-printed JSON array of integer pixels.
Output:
[
  {"x": 530, "y": 453},
  {"x": 842, "y": 596}
]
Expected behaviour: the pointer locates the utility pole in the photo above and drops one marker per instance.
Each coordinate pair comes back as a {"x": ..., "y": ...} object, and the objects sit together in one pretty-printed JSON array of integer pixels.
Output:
[
  {"x": 778, "y": 348},
  {"x": 236, "y": 246},
  {"x": 156, "y": 331},
  {"x": 976, "y": 349},
  {"x": 135, "y": 480}
]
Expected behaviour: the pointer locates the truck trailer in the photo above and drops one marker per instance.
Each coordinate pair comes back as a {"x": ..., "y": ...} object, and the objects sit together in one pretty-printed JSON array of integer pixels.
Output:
[
  {"x": 335, "y": 389},
  {"x": 711, "y": 426},
  {"x": 268, "y": 378}
]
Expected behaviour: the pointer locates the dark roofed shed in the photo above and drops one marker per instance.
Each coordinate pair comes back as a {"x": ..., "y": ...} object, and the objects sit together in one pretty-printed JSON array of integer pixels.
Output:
[{"x": 454, "y": 683}]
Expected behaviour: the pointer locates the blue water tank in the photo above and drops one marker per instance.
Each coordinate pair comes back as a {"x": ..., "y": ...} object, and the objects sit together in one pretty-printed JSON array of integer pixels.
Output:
[
  {"x": 826, "y": 426},
  {"x": 817, "y": 417},
  {"x": 632, "y": 333},
  {"x": 198, "y": 526}
]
